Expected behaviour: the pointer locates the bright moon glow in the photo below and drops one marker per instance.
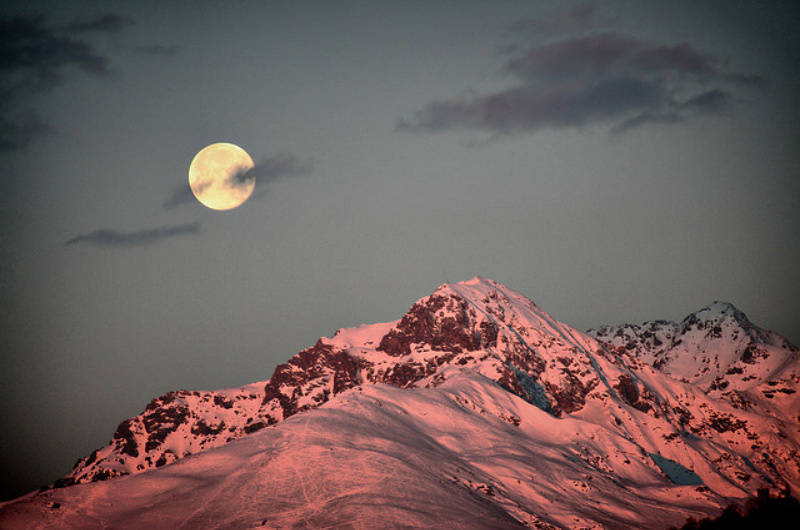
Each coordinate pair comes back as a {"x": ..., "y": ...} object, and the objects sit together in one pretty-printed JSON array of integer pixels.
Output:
[{"x": 220, "y": 176}]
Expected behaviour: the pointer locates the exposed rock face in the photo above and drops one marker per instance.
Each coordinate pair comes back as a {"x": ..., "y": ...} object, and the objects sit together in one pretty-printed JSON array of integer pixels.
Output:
[
  {"x": 714, "y": 377},
  {"x": 440, "y": 322}
]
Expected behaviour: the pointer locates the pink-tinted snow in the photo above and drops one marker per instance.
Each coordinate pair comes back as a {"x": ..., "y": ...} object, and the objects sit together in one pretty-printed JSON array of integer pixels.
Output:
[{"x": 476, "y": 408}]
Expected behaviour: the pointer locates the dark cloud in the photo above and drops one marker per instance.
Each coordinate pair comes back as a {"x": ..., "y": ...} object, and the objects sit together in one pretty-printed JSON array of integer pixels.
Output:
[
  {"x": 30, "y": 44},
  {"x": 108, "y": 23},
  {"x": 715, "y": 100},
  {"x": 711, "y": 101},
  {"x": 114, "y": 238},
  {"x": 606, "y": 77},
  {"x": 527, "y": 108},
  {"x": 278, "y": 166},
  {"x": 607, "y": 54},
  {"x": 677, "y": 58},
  {"x": 243, "y": 177},
  {"x": 267, "y": 170},
  {"x": 33, "y": 59}
]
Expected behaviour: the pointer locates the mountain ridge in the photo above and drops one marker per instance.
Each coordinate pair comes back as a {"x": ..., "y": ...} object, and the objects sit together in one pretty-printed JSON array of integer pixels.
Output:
[
  {"x": 680, "y": 348},
  {"x": 727, "y": 430}
]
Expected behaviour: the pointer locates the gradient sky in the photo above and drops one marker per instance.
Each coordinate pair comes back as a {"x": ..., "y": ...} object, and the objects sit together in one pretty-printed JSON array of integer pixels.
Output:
[{"x": 615, "y": 161}]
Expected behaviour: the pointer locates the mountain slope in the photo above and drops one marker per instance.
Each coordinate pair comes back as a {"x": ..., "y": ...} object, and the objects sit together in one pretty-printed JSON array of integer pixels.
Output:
[
  {"x": 479, "y": 323},
  {"x": 668, "y": 396},
  {"x": 465, "y": 454}
]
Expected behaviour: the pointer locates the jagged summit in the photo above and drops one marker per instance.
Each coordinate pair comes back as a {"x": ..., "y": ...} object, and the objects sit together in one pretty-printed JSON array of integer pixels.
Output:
[
  {"x": 717, "y": 347},
  {"x": 714, "y": 312},
  {"x": 478, "y": 288},
  {"x": 704, "y": 394},
  {"x": 719, "y": 308},
  {"x": 718, "y": 312},
  {"x": 475, "y": 280}
]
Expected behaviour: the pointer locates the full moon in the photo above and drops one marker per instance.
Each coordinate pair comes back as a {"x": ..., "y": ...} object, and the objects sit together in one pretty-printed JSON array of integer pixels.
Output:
[{"x": 220, "y": 176}]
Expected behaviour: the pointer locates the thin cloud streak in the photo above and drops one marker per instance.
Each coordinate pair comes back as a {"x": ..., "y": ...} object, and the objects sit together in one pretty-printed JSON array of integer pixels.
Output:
[
  {"x": 275, "y": 167},
  {"x": 178, "y": 196},
  {"x": 114, "y": 238}
]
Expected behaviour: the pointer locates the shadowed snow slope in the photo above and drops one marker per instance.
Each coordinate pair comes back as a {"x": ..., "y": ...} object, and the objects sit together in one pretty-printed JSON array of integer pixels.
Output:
[
  {"x": 465, "y": 454},
  {"x": 475, "y": 409}
]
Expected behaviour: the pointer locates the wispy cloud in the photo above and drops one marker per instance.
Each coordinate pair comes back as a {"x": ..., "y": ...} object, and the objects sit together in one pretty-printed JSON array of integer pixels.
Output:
[
  {"x": 29, "y": 44},
  {"x": 609, "y": 77},
  {"x": 178, "y": 196},
  {"x": 114, "y": 238},
  {"x": 608, "y": 54},
  {"x": 711, "y": 101},
  {"x": 276, "y": 167},
  {"x": 35, "y": 57},
  {"x": 267, "y": 170}
]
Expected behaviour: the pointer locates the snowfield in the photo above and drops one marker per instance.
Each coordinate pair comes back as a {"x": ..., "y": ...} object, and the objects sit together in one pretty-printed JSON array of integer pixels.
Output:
[{"x": 466, "y": 454}]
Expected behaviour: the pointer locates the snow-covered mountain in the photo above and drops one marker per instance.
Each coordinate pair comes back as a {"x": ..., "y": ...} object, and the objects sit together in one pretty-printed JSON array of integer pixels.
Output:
[
  {"x": 717, "y": 348},
  {"x": 475, "y": 408}
]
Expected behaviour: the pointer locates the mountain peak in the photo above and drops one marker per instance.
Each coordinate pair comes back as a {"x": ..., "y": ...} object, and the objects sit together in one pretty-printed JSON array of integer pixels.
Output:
[
  {"x": 718, "y": 311},
  {"x": 705, "y": 408},
  {"x": 477, "y": 282},
  {"x": 479, "y": 288},
  {"x": 715, "y": 347},
  {"x": 478, "y": 325}
]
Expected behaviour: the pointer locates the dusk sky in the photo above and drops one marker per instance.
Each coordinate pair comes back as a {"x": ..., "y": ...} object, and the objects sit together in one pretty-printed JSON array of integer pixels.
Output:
[{"x": 614, "y": 161}]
